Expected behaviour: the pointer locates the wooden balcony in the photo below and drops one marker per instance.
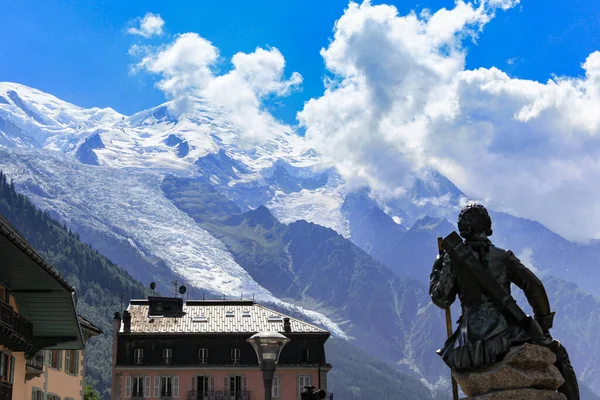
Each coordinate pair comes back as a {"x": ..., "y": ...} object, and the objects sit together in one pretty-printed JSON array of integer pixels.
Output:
[
  {"x": 15, "y": 331},
  {"x": 5, "y": 391}
]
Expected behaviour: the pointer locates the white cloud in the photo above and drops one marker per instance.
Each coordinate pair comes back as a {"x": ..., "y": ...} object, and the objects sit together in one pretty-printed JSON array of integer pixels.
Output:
[
  {"x": 150, "y": 25},
  {"x": 186, "y": 67},
  {"x": 526, "y": 258},
  {"x": 401, "y": 100}
]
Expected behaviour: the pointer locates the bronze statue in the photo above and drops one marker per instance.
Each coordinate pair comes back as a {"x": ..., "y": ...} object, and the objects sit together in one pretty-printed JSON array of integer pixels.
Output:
[{"x": 480, "y": 274}]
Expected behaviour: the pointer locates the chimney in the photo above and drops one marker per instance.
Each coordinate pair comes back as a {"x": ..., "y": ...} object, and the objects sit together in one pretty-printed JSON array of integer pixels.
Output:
[
  {"x": 126, "y": 322},
  {"x": 116, "y": 328},
  {"x": 287, "y": 327}
]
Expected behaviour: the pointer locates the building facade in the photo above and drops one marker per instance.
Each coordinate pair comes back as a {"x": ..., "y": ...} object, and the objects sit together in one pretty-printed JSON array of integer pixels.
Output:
[
  {"x": 37, "y": 314},
  {"x": 166, "y": 349},
  {"x": 62, "y": 375}
]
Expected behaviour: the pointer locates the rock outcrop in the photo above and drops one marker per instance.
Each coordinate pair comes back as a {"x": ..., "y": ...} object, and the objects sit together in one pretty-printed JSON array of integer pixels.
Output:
[{"x": 526, "y": 372}]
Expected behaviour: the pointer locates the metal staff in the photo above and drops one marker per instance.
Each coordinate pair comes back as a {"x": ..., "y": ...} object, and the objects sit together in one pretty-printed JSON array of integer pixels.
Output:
[{"x": 448, "y": 324}]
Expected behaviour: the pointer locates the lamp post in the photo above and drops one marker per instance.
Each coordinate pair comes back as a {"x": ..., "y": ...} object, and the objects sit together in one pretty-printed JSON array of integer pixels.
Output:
[{"x": 268, "y": 346}]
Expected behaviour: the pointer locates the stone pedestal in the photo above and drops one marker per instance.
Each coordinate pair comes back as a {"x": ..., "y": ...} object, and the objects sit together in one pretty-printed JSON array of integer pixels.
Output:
[{"x": 526, "y": 372}]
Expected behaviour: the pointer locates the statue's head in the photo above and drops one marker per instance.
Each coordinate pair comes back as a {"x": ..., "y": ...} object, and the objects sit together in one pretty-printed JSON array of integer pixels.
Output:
[{"x": 474, "y": 222}]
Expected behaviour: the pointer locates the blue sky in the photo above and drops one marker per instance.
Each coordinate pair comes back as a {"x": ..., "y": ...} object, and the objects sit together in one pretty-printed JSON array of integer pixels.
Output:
[{"x": 78, "y": 50}]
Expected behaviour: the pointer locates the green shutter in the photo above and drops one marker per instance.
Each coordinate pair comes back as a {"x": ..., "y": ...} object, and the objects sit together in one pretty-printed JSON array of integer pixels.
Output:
[
  {"x": 76, "y": 372},
  {"x": 12, "y": 369},
  {"x": 60, "y": 360},
  {"x": 68, "y": 361}
]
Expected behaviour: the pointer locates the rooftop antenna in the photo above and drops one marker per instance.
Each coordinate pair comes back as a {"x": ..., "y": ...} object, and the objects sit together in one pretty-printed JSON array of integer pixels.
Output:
[
  {"x": 202, "y": 296},
  {"x": 152, "y": 287},
  {"x": 175, "y": 283}
]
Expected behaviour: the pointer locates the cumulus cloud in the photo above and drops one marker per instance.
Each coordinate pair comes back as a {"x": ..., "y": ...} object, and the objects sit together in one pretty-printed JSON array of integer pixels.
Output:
[
  {"x": 187, "y": 68},
  {"x": 148, "y": 26},
  {"x": 400, "y": 100}
]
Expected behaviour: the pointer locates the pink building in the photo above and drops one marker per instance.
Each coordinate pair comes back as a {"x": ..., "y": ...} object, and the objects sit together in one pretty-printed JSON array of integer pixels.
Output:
[{"x": 197, "y": 350}]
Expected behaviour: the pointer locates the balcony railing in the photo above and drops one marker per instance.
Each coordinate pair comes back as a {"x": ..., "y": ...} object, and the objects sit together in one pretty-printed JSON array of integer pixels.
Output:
[
  {"x": 5, "y": 391},
  {"x": 219, "y": 395},
  {"x": 15, "y": 331},
  {"x": 34, "y": 365}
]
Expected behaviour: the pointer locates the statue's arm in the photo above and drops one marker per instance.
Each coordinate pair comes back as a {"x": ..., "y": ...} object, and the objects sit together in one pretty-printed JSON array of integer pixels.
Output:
[
  {"x": 442, "y": 282},
  {"x": 534, "y": 291}
]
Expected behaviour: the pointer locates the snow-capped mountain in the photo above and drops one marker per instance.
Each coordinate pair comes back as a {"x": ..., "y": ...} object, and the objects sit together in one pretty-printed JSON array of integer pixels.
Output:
[{"x": 138, "y": 188}]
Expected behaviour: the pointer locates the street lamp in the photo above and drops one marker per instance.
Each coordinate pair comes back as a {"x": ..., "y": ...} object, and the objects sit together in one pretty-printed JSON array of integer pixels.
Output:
[{"x": 268, "y": 346}]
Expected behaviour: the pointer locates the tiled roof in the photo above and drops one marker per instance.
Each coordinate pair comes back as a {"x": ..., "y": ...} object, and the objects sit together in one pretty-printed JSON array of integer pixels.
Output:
[
  {"x": 217, "y": 319},
  {"x": 86, "y": 324}
]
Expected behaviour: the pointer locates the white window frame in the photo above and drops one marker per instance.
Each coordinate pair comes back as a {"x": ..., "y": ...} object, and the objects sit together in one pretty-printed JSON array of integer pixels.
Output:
[
  {"x": 138, "y": 359},
  {"x": 203, "y": 356},
  {"x": 302, "y": 381},
  {"x": 167, "y": 356},
  {"x": 140, "y": 379},
  {"x": 276, "y": 390},
  {"x": 234, "y": 352},
  {"x": 174, "y": 379}
]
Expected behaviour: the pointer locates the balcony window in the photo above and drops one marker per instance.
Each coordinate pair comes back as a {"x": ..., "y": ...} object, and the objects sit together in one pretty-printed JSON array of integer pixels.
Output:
[
  {"x": 52, "y": 397},
  {"x": 167, "y": 356},
  {"x": 138, "y": 386},
  {"x": 37, "y": 394},
  {"x": 7, "y": 368},
  {"x": 55, "y": 359},
  {"x": 72, "y": 361},
  {"x": 235, "y": 356},
  {"x": 138, "y": 356},
  {"x": 166, "y": 387},
  {"x": 303, "y": 356},
  {"x": 203, "y": 356}
]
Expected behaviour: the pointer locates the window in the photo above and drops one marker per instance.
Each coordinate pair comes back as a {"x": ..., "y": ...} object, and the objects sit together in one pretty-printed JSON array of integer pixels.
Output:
[
  {"x": 4, "y": 366},
  {"x": 276, "y": 387},
  {"x": 37, "y": 394},
  {"x": 166, "y": 386},
  {"x": 200, "y": 318},
  {"x": 275, "y": 318},
  {"x": 7, "y": 367},
  {"x": 304, "y": 380},
  {"x": 72, "y": 361},
  {"x": 202, "y": 385},
  {"x": 167, "y": 356},
  {"x": 303, "y": 356},
  {"x": 229, "y": 314},
  {"x": 246, "y": 314},
  {"x": 138, "y": 356},
  {"x": 203, "y": 356},
  {"x": 138, "y": 386},
  {"x": 235, "y": 356},
  {"x": 52, "y": 397},
  {"x": 55, "y": 359}
]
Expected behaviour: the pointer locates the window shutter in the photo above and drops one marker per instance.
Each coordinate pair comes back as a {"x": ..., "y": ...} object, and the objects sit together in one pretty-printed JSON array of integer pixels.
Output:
[
  {"x": 12, "y": 369},
  {"x": 60, "y": 361},
  {"x": 244, "y": 383},
  {"x": 212, "y": 383},
  {"x": 76, "y": 362},
  {"x": 68, "y": 361},
  {"x": 46, "y": 357},
  {"x": 193, "y": 384},
  {"x": 156, "y": 387},
  {"x": 127, "y": 387},
  {"x": 176, "y": 387},
  {"x": 275, "y": 392},
  {"x": 146, "y": 387},
  {"x": 226, "y": 384}
]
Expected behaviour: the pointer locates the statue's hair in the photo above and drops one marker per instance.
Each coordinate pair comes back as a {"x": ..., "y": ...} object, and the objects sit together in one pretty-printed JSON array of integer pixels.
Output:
[{"x": 474, "y": 221}]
